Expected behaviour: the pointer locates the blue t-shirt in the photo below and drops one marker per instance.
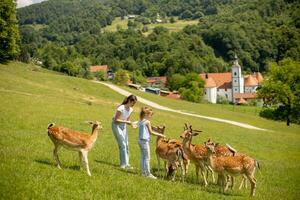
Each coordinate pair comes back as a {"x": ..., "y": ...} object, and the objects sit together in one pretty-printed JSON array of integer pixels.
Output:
[{"x": 143, "y": 131}]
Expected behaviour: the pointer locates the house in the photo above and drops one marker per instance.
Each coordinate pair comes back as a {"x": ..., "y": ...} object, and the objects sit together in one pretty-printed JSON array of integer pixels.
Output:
[
  {"x": 157, "y": 81},
  {"x": 232, "y": 86},
  {"x": 102, "y": 68}
]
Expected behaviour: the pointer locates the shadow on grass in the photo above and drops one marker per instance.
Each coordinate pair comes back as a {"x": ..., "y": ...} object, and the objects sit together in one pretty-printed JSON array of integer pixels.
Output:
[
  {"x": 106, "y": 163},
  {"x": 45, "y": 162}
]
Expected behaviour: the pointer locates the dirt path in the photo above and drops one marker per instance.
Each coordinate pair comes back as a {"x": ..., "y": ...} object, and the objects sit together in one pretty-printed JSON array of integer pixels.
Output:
[{"x": 157, "y": 106}]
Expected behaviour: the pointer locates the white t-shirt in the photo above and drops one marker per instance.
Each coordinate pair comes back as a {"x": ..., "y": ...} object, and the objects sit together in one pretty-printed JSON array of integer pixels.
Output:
[{"x": 124, "y": 112}]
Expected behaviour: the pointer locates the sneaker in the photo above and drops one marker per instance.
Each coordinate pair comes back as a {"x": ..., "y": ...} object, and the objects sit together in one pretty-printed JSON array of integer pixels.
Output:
[
  {"x": 128, "y": 167},
  {"x": 123, "y": 166},
  {"x": 151, "y": 176}
]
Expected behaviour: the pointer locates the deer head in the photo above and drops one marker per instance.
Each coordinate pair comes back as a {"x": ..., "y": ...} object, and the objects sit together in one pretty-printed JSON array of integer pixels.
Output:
[{"x": 188, "y": 132}]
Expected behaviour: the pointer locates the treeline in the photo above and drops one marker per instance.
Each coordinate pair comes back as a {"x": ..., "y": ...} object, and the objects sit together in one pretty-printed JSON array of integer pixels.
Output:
[{"x": 68, "y": 35}]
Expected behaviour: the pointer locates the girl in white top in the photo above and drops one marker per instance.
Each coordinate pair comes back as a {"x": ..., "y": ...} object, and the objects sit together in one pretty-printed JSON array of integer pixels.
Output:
[{"x": 120, "y": 119}]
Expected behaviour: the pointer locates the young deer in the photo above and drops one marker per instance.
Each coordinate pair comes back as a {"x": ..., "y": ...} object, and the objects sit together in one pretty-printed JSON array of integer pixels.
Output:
[
  {"x": 171, "y": 152},
  {"x": 73, "y": 140},
  {"x": 232, "y": 165}
]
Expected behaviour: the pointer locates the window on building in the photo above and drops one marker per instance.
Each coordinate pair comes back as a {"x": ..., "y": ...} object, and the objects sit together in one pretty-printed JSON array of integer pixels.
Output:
[
  {"x": 234, "y": 73},
  {"x": 225, "y": 89},
  {"x": 226, "y": 96}
]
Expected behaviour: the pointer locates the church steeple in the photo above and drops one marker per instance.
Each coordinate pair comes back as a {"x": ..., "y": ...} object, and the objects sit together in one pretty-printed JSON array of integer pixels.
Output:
[{"x": 237, "y": 77}]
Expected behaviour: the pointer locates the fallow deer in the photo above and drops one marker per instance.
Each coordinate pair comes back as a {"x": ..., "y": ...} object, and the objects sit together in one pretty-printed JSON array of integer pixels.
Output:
[
  {"x": 196, "y": 153},
  {"x": 73, "y": 140},
  {"x": 171, "y": 152},
  {"x": 232, "y": 165}
]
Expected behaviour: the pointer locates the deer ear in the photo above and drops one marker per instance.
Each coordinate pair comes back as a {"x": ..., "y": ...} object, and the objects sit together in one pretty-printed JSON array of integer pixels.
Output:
[
  {"x": 195, "y": 134},
  {"x": 89, "y": 122},
  {"x": 217, "y": 144}
]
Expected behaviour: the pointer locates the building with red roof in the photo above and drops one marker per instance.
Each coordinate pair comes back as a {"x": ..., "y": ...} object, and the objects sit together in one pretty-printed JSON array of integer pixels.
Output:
[
  {"x": 99, "y": 68},
  {"x": 157, "y": 81},
  {"x": 232, "y": 86}
]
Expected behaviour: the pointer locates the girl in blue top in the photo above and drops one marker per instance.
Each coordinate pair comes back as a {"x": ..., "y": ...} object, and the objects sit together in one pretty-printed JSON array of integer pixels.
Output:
[{"x": 144, "y": 138}]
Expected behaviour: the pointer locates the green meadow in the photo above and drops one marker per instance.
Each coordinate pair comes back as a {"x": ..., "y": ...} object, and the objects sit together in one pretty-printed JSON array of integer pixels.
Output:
[
  {"x": 32, "y": 97},
  {"x": 173, "y": 27}
]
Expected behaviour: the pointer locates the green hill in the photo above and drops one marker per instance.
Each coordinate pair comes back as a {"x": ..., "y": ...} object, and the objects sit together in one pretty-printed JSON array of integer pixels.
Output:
[{"x": 32, "y": 97}]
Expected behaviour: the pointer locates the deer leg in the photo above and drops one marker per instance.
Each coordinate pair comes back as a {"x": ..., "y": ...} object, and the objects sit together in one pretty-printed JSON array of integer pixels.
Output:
[
  {"x": 232, "y": 182},
  {"x": 242, "y": 182},
  {"x": 85, "y": 158},
  {"x": 158, "y": 165},
  {"x": 182, "y": 167},
  {"x": 203, "y": 175},
  {"x": 166, "y": 168},
  {"x": 197, "y": 173},
  {"x": 55, "y": 155},
  {"x": 228, "y": 181},
  {"x": 80, "y": 159},
  {"x": 253, "y": 184},
  {"x": 209, "y": 169}
]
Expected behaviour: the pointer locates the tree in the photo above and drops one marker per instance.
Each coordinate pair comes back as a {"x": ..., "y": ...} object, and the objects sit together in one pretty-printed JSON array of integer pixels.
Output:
[
  {"x": 9, "y": 32},
  {"x": 121, "y": 77},
  {"x": 192, "y": 88},
  {"x": 281, "y": 89},
  {"x": 175, "y": 82}
]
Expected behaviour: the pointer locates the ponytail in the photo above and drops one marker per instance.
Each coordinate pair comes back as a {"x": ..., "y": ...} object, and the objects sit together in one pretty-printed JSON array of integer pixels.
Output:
[{"x": 130, "y": 98}]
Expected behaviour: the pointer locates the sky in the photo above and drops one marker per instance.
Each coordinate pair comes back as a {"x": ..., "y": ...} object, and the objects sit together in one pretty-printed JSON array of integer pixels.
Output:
[{"x": 22, "y": 3}]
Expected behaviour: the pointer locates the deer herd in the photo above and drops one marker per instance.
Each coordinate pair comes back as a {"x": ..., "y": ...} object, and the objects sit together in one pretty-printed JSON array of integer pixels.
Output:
[{"x": 209, "y": 157}]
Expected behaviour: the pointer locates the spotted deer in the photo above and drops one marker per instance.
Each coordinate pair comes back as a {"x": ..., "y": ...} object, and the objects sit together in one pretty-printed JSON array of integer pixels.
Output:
[
  {"x": 73, "y": 140},
  {"x": 171, "y": 152},
  {"x": 233, "y": 166}
]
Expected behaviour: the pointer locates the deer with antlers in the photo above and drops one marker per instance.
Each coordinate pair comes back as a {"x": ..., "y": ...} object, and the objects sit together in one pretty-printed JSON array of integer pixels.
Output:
[
  {"x": 73, "y": 140},
  {"x": 196, "y": 153},
  {"x": 172, "y": 153},
  {"x": 232, "y": 165}
]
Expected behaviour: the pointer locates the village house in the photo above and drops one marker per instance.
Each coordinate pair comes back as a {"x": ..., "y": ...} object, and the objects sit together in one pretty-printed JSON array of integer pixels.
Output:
[
  {"x": 102, "y": 68},
  {"x": 157, "y": 81},
  {"x": 232, "y": 86}
]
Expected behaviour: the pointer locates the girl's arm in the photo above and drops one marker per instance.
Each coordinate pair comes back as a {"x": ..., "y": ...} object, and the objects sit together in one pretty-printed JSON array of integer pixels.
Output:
[
  {"x": 117, "y": 118},
  {"x": 148, "y": 124}
]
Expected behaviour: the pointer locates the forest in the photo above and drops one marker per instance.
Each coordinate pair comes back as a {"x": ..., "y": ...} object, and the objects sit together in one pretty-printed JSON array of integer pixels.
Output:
[{"x": 68, "y": 35}]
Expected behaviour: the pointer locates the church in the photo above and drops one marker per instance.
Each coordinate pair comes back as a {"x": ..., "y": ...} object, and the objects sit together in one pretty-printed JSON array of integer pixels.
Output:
[{"x": 232, "y": 86}]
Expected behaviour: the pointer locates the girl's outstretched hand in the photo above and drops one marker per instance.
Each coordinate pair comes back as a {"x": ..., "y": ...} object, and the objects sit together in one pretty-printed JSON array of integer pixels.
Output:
[{"x": 134, "y": 124}]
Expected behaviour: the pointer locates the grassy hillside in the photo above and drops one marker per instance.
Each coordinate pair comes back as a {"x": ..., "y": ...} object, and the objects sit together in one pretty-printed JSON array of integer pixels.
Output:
[
  {"x": 32, "y": 97},
  {"x": 173, "y": 27}
]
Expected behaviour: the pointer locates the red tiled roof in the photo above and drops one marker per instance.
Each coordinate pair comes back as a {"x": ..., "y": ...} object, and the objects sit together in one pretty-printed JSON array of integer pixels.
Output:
[
  {"x": 251, "y": 80},
  {"x": 241, "y": 101},
  {"x": 97, "y": 68},
  {"x": 154, "y": 79},
  {"x": 222, "y": 80},
  {"x": 259, "y": 77},
  {"x": 244, "y": 95},
  {"x": 210, "y": 83}
]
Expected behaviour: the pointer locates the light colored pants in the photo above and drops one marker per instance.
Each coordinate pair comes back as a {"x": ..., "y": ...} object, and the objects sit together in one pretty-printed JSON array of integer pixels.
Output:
[
  {"x": 121, "y": 135},
  {"x": 145, "y": 157}
]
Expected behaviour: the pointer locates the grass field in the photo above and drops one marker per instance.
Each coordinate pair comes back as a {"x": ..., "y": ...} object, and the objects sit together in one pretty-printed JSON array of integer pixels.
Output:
[
  {"x": 32, "y": 97},
  {"x": 173, "y": 27}
]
